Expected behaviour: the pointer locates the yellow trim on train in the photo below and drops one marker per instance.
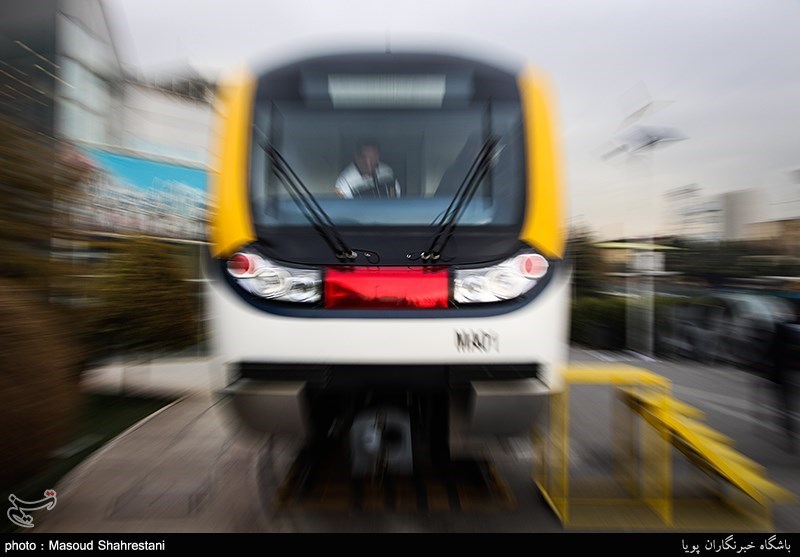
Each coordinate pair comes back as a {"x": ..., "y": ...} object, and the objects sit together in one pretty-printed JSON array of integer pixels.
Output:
[
  {"x": 231, "y": 222},
  {"x": 543, "y": 226}
]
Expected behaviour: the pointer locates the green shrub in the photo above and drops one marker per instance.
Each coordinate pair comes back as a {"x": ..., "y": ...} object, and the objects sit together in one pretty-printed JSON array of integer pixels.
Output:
[
  {"x": 143, "y": 303},
  {"x": 598, "y": 322}
]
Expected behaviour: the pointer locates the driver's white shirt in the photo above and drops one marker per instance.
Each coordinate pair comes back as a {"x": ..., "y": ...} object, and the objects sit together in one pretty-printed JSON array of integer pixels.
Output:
[{"x": 351, "y": 182}]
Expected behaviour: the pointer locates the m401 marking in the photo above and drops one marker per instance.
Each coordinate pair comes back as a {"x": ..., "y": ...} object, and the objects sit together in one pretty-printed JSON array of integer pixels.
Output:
[{"x": 479, "y": 340}]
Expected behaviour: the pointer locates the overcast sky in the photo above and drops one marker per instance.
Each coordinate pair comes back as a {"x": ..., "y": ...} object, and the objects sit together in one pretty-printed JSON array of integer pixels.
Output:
[{"x": 727, "y": 71}]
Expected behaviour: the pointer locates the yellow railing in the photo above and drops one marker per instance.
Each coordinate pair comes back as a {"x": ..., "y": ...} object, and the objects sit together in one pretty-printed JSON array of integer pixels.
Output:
[{"x": 647, "y": 423}]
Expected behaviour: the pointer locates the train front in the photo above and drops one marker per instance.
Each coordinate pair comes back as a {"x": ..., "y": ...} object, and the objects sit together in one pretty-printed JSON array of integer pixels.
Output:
[{"x": 387, "y": 253}]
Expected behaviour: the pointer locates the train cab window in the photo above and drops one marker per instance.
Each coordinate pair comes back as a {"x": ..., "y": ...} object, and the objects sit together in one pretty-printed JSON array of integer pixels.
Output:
[{"x": 428, "y": 125}]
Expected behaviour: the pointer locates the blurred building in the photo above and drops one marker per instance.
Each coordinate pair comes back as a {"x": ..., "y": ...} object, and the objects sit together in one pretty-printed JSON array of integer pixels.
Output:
[
  {"x": 784, "y": 195},
  {"x": 782, "y": 234},
  {"x": 100, "y": 103},
  {"x": 782, "y": 227},
  {"x": 28, "y": 64},
  {"x": 725, "y": 217},
  {"x": 168, "y": 116},
  {"x": 692, "y": 215},
  {"x": 740, "y": 209},
  {"x": 89, "y": 92},
  {"x": 146, "y": 137}
]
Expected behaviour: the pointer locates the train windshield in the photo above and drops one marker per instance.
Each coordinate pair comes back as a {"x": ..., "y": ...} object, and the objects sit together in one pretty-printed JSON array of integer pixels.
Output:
[{"x": 383, "y": 149}]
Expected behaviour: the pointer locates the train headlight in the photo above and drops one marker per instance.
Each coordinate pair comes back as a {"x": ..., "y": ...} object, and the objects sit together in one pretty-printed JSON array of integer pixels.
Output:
[
  {"x": 504, "y": 281},
  {"x": 470, "y": 287},
  {"x": 266, "y": 279},
  {"x": 270, "y": 282},
  {"x": 304, "y": 287}
]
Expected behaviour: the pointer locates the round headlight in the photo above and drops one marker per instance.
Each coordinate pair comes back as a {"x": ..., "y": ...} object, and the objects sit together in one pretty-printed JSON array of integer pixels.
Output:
[
  {"x": 505, "y": 283},
  {"x": 303, "y": 289},
  {"x": 271, "y": 282},
  {"x": 471, "y": 288}
]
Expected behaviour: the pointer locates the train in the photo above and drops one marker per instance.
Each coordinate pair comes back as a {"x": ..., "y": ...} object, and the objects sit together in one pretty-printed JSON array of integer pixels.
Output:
[{"x": 387, "y": 261}]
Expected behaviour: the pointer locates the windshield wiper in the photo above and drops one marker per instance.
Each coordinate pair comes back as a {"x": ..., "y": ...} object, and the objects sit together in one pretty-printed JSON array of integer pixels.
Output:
[
  {"x": 478, "y": 170},
  {"x": 309, "y": 206}
]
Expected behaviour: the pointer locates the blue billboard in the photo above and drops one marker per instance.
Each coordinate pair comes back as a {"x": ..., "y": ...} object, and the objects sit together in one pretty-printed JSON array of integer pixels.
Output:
[{"x": 135, "y": 195}]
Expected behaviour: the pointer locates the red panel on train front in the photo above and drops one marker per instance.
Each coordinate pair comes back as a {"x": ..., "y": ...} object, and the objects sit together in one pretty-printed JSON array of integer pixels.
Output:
[{"x": 386, "y": 287}]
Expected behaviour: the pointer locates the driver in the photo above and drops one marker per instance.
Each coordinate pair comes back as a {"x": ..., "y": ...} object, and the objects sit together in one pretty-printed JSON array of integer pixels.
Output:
[{"x": 367, "y": 176}]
